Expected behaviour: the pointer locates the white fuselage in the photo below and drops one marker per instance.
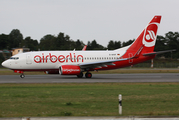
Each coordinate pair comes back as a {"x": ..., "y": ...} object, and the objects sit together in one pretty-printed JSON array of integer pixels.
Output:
[{"x": 44, "y": 60}]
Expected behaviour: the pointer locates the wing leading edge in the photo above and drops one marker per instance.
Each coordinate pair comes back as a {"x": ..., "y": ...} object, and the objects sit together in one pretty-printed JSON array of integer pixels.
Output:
[{"x": 100, "y": 63}]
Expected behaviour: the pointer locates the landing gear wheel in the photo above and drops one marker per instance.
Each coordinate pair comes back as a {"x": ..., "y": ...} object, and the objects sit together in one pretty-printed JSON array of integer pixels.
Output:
[
  {"x": 88, "y": 75},
  {"x": 80, "y": 75},
  {"x": 22, "y": 76}
]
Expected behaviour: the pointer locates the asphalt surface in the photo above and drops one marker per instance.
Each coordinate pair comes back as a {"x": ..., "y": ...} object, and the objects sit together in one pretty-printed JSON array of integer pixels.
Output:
[{"x": 96, "y": 78}]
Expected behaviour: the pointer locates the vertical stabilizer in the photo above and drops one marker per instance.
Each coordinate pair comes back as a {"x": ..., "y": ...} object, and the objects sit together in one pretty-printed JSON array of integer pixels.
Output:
[{"x": 147, "y": 38}]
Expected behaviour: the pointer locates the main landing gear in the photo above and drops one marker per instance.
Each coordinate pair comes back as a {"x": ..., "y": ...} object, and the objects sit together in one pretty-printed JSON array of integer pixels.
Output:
[
  {"x": 80, "y": 75},
  {"x": 87, "y": 75}
]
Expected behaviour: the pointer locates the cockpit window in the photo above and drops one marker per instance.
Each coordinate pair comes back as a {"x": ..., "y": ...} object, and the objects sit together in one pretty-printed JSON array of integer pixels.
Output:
[{"x": 14, "y": 58}]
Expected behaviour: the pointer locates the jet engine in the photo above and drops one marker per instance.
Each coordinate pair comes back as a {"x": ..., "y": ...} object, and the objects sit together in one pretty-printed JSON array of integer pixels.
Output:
[{"x": 69, "y": 70}]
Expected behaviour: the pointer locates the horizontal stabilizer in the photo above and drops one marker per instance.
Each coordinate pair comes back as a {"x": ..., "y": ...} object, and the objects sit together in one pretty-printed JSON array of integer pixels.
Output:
[
  {"x": 138, "y": 52},
  {"x": 154, "y": 53}
]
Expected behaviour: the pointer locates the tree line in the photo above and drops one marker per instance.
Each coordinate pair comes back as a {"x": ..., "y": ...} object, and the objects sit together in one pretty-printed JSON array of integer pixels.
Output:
[{"x": 64, "y": 42}]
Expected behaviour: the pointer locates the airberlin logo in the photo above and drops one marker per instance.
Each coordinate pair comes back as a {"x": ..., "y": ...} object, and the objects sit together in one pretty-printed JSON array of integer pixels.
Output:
[
  {"x": 61, "y": 58},
  {"x": 150, "y": 35},
  {"x": 71, "y": 70}
]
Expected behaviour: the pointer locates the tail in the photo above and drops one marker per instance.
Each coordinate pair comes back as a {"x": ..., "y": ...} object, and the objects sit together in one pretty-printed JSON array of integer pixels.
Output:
[
  {"x": 145, "y": 43},
  {"x": 147, "y": 38}
]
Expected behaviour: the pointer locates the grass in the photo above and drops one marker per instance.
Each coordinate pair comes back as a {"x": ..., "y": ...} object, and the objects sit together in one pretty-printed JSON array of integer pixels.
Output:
[{"x": 89, "y": 99}]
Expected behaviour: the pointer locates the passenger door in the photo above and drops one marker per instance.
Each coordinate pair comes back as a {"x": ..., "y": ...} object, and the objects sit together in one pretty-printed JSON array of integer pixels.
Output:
[{"x": 28, "y": 59}]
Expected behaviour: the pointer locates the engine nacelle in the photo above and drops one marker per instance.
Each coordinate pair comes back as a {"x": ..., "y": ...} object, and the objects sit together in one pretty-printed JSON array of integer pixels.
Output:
[
  {"x": 69, "y": 70},
  {"x": 52, "y": 72}
]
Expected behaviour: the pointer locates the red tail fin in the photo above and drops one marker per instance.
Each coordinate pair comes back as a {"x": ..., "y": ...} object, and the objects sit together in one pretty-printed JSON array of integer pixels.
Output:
[{"x": 147, "y": 38}]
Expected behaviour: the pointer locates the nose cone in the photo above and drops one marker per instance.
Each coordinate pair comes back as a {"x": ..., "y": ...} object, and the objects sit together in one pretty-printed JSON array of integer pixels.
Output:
[{"x": 5, "y": 64}]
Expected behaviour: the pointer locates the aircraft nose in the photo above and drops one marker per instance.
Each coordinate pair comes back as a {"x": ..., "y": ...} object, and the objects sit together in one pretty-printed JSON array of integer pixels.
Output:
[{"x": 5, "y": 64}]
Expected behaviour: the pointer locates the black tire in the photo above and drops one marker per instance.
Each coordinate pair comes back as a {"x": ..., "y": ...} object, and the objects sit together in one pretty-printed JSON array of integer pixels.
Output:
[
  {"x": 22, "y": 76},
  {"x": 88, "y": 75},
  {"x": 80, "y": 75}
]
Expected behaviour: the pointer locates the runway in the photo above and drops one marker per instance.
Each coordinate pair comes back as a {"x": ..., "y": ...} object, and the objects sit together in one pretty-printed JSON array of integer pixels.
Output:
[{"x": 97, "y": 78}]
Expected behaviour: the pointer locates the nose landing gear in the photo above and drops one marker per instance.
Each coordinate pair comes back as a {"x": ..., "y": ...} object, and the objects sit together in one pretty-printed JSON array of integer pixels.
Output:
[{"x": 22, "y": 75}]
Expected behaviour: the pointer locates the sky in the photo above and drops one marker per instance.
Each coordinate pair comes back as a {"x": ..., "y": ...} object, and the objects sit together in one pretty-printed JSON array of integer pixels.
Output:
[{"x": 87, "y": 20}]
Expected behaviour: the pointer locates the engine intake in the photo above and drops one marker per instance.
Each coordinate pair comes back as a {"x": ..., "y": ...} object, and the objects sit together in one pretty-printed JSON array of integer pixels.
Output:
[{"x": 69, "y": 70}]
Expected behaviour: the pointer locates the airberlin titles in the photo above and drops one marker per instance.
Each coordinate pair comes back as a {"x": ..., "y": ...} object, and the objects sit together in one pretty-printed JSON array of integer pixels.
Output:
[{"x": 61, "y": 58}]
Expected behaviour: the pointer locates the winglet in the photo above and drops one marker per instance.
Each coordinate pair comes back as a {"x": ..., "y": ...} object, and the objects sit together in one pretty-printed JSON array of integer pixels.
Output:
[{"x": 84, "y": 48}]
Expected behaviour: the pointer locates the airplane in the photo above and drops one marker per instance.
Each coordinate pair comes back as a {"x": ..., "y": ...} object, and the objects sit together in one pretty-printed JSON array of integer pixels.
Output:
[{"x": 77, "y": 62}]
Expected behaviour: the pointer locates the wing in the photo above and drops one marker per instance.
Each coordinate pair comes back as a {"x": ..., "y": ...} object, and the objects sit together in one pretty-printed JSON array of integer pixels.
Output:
[{"x": 100, "y": 64}]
